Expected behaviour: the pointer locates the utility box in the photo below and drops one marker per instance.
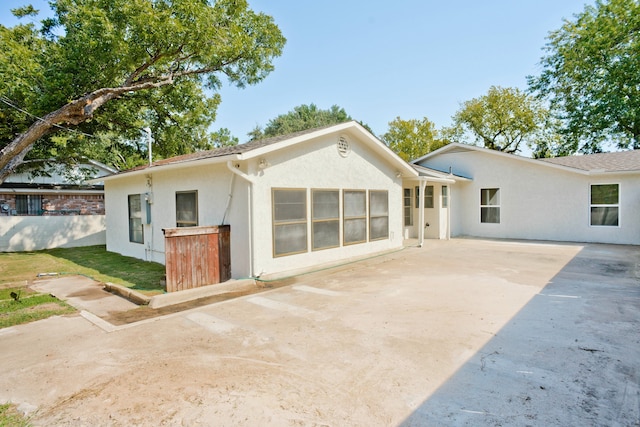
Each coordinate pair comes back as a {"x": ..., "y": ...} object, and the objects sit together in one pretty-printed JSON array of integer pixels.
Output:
[{"x": 197, "y": 256}]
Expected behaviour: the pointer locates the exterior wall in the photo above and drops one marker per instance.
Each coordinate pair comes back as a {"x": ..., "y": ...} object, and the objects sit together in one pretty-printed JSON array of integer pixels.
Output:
[
  {"x": 536, "y": 201},
  {"x": 212, "y": 182},
  {"x": 310, "y": 165},
  {"x": 30, "y": 233},
  {"x": 318, "y": 165}
]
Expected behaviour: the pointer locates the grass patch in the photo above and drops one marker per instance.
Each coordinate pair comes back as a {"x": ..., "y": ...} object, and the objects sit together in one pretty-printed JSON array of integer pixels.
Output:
[
  {"x": 30, "y": 308},
  {"x": 20, "y": 268},
  {"x": 10, "y": 417}
]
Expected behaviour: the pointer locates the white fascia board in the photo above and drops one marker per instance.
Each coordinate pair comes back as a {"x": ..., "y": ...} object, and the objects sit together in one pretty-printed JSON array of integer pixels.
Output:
[
  {"x": 50, "y": 191},
  {"x": 170, "y": 166}
]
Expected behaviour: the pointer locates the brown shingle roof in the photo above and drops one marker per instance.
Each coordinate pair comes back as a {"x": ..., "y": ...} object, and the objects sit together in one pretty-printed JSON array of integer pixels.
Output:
[{"x": 621, "y": 161}]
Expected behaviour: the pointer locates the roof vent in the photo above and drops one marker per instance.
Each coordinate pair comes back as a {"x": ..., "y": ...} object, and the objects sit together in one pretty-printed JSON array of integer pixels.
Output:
[{"x": 343, "y": 146}]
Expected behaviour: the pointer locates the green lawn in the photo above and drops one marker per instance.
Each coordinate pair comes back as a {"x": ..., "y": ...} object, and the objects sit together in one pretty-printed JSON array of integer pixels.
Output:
[
  {"x": 20, "y": 268},
  {"x": 9, "y": 417}
]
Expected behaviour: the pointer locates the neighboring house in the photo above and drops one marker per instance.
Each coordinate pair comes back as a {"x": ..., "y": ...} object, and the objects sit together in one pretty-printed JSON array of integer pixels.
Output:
[
  {"x": 588, "y": 198},
  {"x": 55, "y": 208},
  {"x": 292, "y": 202}
]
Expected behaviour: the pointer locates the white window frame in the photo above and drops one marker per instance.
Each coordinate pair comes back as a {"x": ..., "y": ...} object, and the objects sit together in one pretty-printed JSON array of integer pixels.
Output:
[
  {"x": 603, "y": 205},
  {"x": 491, "y": 206},
  {"x": 135, "y": 219},
  {"x": 186, "y": 223},
  {"x": 428, "y": 196},
  {"x": 407, "y": 206},
  {"x": 280, "y": 225}
]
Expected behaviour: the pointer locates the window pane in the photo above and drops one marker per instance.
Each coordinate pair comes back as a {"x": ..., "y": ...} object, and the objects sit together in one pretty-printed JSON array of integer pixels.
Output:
[
  {"x": 490, "y": 215},
  {"x": 187, "y": 209},
  {"x": 408, "y": 211},
  {"x": 445, "y": 196},
  {"x": 379, "y": 203},
  {"x": 355, "y": 204},
  {"x": 326, "y": 234},
  {"x": 135, "y": 219},
  {"x": 604, "y": 194},
  {"x": 28, "y": 204},
  {"x": 490, "y": 196},
  {"x": 379, "y": 228},
  {"x": 355, "y": 230},
  {"x": 290, "y": 238},
  {"x": 326, "y": 204},
  {"x": 428, "y": 196},
  {"x": 604, "y": 215},
  {"x": 289, "y": 205}
]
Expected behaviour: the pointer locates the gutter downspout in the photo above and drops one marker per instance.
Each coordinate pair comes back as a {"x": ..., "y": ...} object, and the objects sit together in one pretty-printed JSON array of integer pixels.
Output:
[
  {"x": 423, "y": 186},
  {"x": 247, "y": 178}
]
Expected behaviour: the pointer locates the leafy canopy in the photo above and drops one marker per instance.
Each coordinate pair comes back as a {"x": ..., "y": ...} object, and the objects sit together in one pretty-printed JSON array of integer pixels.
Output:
[
  {"x": 412, "y": 138},
  {"x": 501, "y": 120},
  {"x": 301, "y": 118},
  {"x": 111, "y": 67},
  {"x": 591, "y": 76}
]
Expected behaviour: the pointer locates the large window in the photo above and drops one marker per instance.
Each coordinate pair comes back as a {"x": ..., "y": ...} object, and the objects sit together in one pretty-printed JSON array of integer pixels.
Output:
[
  {"x": 186, "y": 208},
  {"x": 325, "y": 218},
  {"x": 408, "y": 211},
  {"x": 28, "y": 204},
  {"x": 490, "y": 205},
  {"x": 355, "y": 216},
  {"x": 605, "y": 204},
  {"x": 136, "y": 234},
  {"x": 289, "y": 221},
  {"x": 378, "y": 215},
  {"x": 428, "y": 196}
]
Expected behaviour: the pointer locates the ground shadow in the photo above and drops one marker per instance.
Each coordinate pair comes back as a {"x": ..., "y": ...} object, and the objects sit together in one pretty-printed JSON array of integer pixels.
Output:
[{"x": 569, "y": 357}]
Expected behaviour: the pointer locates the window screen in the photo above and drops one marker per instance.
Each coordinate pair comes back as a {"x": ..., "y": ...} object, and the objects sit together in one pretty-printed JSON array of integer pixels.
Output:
[
  {"x": 326, "y": 218},
  {"x": 289, "y": 221},
  {"x": 29, "y": 204},
  {"x": 378, "y": 215},
  {"x": 187, "y": 209},
  {"x": 355, "y": 216},
  {"x": 136, "y": 234}
]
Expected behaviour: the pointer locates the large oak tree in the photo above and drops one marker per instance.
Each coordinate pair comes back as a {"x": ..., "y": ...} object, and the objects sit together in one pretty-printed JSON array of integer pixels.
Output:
[
  {"x": 591, "y": 76},
  {"x": 107, "y": 68}
]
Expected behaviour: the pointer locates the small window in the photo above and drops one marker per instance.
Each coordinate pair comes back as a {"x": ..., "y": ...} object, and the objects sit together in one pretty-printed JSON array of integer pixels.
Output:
[
  {"x": 29, "y": 204},
  {"x": 136, "y": 233},
  {"x": 445, "y": 196},
  {"x": 490, "y": 205},
  {"x": 289, "y": 221},
  {"x": 428, "y": 197},
  {"x": 378, "y": 215},
  {"x": 408, "y": 211},
  {"x": 605, "y": 204},
  {"x": 325, "y": 219},
  {"x": 186, "y": 208},
  {"x": 355, "y": 216}
]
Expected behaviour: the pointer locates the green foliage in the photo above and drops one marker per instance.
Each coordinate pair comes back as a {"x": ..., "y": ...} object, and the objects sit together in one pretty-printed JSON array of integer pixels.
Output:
[
  {"x": 501, "y": 120},
  {"x": 413, "y": 138},
  {"x": 10, "y": 417},
  {"x": 111, "y": 67},
  {"x": 223, "y": 138},
  {"x": 591, "y": 76},
  {"x": 301, "y": 118}
]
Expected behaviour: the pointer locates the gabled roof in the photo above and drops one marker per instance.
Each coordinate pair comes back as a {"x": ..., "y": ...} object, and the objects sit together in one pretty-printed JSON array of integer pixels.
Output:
[
  {"x": 261, "y": 147},
  {"x": 620, "y": 161},
  {"x": 590, "y": 164}
]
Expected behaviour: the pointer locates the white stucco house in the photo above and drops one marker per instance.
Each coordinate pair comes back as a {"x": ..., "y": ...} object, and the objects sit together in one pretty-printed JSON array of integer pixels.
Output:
[
  {"x": 292, "y": 202},
  {"x": 588, "y": 198}
]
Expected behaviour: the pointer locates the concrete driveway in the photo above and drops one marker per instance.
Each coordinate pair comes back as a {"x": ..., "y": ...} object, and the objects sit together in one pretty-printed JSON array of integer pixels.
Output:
[{"x": 461, "y": 332}]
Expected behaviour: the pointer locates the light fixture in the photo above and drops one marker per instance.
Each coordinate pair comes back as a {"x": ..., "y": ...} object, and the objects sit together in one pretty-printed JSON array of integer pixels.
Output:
[
  {"x": 262, "y": 163},
  {"x": 398, "y": 174}
]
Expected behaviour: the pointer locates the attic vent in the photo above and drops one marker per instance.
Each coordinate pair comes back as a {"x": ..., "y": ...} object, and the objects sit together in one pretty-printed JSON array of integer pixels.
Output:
[{"x": 343, "y": 146}]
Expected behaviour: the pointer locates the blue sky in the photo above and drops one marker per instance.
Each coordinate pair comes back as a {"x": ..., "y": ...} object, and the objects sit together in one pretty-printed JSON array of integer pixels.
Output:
[{"x": 380, "y": 59}]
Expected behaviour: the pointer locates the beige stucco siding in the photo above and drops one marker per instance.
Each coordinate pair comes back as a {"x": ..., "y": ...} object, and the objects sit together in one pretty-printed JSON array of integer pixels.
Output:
[{"x": 536, "y": 201}]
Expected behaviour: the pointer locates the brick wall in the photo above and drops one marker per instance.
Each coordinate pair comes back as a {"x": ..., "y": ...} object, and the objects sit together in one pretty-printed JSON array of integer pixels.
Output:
[{"x": 62, "y": 204}]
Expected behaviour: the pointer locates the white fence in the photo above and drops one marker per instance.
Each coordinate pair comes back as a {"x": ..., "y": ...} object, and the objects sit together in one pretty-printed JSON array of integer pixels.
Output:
[{"x": 31, "y": 233}]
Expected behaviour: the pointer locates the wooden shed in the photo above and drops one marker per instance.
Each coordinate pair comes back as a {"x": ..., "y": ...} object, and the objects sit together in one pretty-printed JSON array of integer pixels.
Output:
[{"x": 197, "y": 256}]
